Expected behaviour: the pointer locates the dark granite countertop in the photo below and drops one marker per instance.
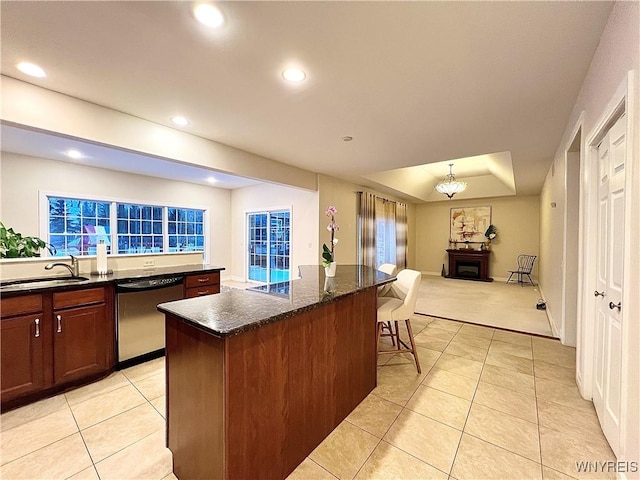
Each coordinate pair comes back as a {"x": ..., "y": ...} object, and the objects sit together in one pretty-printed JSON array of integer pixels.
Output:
[
  {"x": 7, "y": 289},
  {"x": 236, "y": 311}
]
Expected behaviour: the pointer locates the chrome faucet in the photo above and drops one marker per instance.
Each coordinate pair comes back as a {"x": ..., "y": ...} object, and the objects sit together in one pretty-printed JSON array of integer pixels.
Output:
[{"x": 74, "y": 268}]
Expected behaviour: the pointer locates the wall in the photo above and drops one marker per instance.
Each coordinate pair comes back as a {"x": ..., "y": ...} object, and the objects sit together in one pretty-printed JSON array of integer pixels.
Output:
[
  {"x": 618, "y": 53},
  {"x": 343, "y": 196},
  {"x": 22, "y": 177},
  {"x": 304, "y": 225},
  {"x": 551, "y": 243},
  {"x": 39, "y": 108},
  {"x": 517, "y": 221}
]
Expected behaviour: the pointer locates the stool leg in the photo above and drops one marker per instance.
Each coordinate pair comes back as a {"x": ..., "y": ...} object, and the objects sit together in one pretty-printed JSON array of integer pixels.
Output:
[
  {"x": 393, "y": 340},
  {"x": 413, "y": 345},
  {"x": 378, "y": 332},
  {"x": 397, "y": 335}
]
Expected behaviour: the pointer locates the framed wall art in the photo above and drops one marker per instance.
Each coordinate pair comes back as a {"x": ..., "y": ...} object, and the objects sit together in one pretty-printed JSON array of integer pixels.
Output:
[{"x": 468, "y": 224}]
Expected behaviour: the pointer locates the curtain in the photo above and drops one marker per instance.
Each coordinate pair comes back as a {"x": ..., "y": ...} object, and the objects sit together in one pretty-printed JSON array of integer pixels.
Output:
[
  {"x": 367, "y": 230},
  {"x": 401, "y": 235}
]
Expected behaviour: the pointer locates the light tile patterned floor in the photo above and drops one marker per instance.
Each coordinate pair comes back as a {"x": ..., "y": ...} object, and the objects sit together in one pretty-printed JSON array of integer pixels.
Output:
[
  {"x": 111, "y": 429},
  {"x": 489, "y": 404}
]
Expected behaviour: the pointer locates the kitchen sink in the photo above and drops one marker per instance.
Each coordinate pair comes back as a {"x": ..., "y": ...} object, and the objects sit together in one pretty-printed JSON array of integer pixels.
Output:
[{"x": 44, "y": 282}]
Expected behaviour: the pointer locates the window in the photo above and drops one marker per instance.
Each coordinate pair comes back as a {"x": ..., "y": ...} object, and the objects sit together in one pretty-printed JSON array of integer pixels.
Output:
[
  {"x": 385, "y": 242},
  {"x": 186, "y": 230},
  {"x": 385, "y": 231},
  {"x": 139, "y": 228},
  {"x": 75, "y": 226}
]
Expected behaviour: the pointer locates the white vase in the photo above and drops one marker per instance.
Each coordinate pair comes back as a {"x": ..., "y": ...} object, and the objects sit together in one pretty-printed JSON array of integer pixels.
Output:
[{"x": 330, "y": 271}]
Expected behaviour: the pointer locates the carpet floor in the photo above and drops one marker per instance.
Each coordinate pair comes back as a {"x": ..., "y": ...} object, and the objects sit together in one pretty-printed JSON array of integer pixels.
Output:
[{"x": 496, "y": 304}]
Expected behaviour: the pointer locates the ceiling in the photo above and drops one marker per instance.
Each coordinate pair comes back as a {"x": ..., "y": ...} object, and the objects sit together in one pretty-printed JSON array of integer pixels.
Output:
[{"x": 413, "y": 83}]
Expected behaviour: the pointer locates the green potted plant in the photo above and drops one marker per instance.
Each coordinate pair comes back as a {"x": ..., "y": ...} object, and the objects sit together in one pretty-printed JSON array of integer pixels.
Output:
[{"x": 15, "y": 245}]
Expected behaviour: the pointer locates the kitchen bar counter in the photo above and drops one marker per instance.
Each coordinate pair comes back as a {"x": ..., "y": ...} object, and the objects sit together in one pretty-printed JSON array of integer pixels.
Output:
[
  {"x": 236, "y": 311},
  {"x": 256, "y": 380}
]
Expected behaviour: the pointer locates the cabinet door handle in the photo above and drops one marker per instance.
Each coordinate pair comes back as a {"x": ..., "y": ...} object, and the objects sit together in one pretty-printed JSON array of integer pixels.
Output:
[
  {"x": 205, "y": 292},
  {"x": 37, "y": 322},
  {"x": 203, "y": 280},
  {"x": 59, "y": 319}
]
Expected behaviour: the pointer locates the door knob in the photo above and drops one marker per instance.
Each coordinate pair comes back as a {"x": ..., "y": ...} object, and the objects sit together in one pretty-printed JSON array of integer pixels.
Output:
[
  {"x": 598, "y": 294},
  {"x": 613, "y": 305}
]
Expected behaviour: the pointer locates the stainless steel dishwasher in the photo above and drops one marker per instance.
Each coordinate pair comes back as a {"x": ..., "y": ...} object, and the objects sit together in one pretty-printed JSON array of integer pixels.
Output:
[{"x": 140, "y": 327}]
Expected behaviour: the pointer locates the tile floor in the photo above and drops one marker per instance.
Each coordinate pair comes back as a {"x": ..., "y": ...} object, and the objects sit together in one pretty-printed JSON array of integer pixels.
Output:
[
  {"x": 489, "y": 404},
  {"x": 111, "y": 429}
]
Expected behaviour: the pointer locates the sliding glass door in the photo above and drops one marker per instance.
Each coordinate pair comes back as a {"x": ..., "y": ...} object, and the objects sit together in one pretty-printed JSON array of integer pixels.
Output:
[{"x": 268, "y": 246}]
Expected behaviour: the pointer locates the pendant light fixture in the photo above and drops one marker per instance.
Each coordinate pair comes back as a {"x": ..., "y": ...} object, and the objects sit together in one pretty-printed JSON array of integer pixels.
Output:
[{"x": 449, "y": 186}]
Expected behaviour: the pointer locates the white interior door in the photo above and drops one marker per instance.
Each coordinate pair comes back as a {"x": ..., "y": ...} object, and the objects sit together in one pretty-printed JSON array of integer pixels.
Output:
[{"x": 609, "y": 285}]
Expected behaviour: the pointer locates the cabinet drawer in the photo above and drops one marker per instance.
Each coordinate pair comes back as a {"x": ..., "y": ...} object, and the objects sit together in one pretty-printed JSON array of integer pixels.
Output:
[
  {"x": 21, "y": 305},
  {"x": 74, "y": 298},
  {"x": 202, "y": 280},
  {"x": 201, "y": 291}
]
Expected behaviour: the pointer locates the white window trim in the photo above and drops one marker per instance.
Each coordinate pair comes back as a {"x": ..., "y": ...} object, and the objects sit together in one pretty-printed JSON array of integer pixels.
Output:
[{"x": 43, "y": 220}]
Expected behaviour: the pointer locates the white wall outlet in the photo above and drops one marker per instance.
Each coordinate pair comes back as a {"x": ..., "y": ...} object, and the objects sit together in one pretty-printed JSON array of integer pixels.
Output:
[{"x": 149, "y": 263}]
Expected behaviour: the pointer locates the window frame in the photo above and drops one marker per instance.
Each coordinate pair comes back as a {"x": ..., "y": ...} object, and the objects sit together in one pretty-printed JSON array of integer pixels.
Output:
[{"x": 43, "y": 220}]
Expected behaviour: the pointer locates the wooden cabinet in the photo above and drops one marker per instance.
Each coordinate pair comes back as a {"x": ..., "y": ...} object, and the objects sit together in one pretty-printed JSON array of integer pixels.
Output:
[
  {"x": 203, "y": 284},
  {"x": 54, "y": 340},
  {"x": 81, "y": 332},
  {"x": 22, "y": 346}
]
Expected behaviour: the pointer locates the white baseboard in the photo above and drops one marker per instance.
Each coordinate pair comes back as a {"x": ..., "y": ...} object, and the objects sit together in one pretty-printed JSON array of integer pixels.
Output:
[
  {"x": 435, "y": 274},
  {"x": 552, "y": 323},
  {"x": 438, "y": 274}
]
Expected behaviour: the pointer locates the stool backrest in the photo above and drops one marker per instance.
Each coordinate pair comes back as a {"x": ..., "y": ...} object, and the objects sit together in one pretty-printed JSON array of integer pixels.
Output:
[
  {"x": 388, "y": 268},
  {"x": 406, "y": 288}
]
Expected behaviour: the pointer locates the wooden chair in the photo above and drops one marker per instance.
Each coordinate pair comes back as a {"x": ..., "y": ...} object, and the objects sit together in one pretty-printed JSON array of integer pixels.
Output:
[
  {"x": 525, "y": 266},
  {"x": 399, "y": 307}
]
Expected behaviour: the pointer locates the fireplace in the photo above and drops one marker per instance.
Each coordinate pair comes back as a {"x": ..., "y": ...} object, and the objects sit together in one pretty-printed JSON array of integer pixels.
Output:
[
  {"x": 468, "y": 269},
  {"x": 469, "y": 264}
]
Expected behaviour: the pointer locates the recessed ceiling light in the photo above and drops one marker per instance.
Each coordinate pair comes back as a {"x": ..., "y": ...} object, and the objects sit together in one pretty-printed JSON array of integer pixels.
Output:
[
  {"x": 178, "y": 120},
  {"x": 294, "y": 75},
  {"x": 75, "y": 154},
  {"x": 31, "y": 69},
  {"x": 212, "y": 180},
  {"x": 208, "y": 15}
]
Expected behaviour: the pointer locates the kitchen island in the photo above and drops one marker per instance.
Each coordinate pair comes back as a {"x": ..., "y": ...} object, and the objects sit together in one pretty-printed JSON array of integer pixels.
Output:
[{"x": 256, "y": 379}]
